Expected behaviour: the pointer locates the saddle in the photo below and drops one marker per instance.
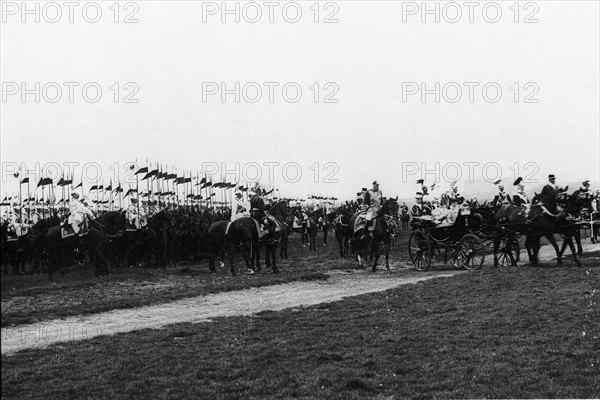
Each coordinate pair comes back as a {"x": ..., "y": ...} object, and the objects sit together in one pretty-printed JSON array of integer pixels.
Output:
[
  {"x": 66, "y": 230},
  {"x": 361, "y": 221},
  {"x": 11, "y": 236}
]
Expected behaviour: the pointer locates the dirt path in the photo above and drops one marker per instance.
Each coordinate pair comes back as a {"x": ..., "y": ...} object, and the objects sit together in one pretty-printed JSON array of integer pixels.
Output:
[{"x": 204, "y": 308}]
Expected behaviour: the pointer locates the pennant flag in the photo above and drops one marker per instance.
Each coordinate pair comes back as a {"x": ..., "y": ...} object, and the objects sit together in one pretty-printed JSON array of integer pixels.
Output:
[
  {"x": 61, "y": 182},
  {"x": 108, "y": 188},
  {"x": 203, "y": 180},
  {"x": 129, "y": 192},
  {"x": 187, "y": 180},
  {"x": 150, "y": 174},
  {"x": 44, "y": 182},
  {"x": 68, "y": 182},
  {"x": 78, "y": 186},
  {"x": 180, "y": 180},
  {"x": 95, "y": 187},
  {"x": 118, "y": 189},
  {"x": 25, "y": 180},
  {"x": 142, "y": 170}
]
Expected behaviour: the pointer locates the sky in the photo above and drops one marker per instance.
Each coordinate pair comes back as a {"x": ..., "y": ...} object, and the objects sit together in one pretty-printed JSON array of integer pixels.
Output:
[{"x": 323, "y": 99}]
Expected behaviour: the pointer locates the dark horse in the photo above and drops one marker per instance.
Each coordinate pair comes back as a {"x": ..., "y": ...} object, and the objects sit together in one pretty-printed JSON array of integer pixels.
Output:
[
  {"x": 544, "y": 220},
  {"x": 279, "y": 214},
  {"x": 242, "y": 235},
  {"x": 310, "y": 227},
  {"x": 341, "y": 228},
  {"x": 60, "y": 251},
  {"x": 362, "y": 243}
]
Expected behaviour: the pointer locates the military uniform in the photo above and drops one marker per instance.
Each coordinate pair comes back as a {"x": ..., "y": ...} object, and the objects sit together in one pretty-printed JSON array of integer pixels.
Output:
[
  {"x": 239, "y": 209},
  {"x": 501, "y": 198},
  {"x": 78, "y": 212},
  {"x": 520, "y": 199}
]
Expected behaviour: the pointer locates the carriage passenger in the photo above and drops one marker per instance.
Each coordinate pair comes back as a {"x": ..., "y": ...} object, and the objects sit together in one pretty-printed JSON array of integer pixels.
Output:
[
  {"x": 419, "y": 209},
  {"x": 520, "y": 198},
  {"x": 439, "y": 212}
]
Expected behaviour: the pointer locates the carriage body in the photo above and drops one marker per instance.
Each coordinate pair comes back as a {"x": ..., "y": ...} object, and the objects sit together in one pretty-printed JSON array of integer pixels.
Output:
[{"x": 459, "y": 243}]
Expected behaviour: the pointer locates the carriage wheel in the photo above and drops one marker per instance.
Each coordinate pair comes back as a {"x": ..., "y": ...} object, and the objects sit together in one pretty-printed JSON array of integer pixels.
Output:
[
  {"x": 509, "y": 252},
  {"x": 419, "y": 251},
  {"x": 471, "y": 252}
]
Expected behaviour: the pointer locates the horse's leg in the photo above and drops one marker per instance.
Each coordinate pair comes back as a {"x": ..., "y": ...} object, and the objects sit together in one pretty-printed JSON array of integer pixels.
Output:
[
  {"x": 255, "y": 248},
  {"x": 230, "y": 252},
  {"x": 388, "y": 247},
  {"x": 530, "y": 253},
  {"x": 211, "y": 263},
  {"x": 568, "y": 240},
  {"x": 577, "y": 235},
  {"x": 552, "y": 241},
  {"x": 272, "y": 249},
  {"x": 375, "y": 254},
  {"x": 496, "y": 246}
]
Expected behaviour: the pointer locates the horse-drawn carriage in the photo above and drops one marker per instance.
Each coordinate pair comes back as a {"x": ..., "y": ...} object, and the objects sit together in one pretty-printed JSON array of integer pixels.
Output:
[{"x": 465, "y": 243}]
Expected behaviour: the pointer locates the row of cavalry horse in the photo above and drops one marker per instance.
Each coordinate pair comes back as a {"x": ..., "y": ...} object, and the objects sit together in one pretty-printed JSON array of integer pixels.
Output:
[{"x": 174, "y": 236}]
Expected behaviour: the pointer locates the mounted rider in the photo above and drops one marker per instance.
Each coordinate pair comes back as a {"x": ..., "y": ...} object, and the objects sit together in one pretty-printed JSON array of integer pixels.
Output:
[
  {"x": 371, "y": 205},
  {"x": 239, "y": 207},
  {"x": 583, "y": 198},
  {"x": 551, "y": 185},
  {"x": 257, "y": 211},
  {"x": 17, "y": 223},
  {"x": 78, "y": 213},
  {"x": 138, "y": 220}
]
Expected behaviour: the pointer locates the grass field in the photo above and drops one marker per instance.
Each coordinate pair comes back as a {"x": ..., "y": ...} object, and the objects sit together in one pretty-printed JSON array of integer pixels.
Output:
[{"x": 495, "y": 333}]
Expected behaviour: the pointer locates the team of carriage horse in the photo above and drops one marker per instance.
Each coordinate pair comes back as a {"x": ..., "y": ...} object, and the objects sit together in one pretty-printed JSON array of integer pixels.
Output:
[{"x": 174, "y": 236}]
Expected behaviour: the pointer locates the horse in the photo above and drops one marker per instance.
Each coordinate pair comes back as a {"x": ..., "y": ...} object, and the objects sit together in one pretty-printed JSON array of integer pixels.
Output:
[
  {"x": 213, "y": 243},
  {"x": 341, "y": 229},
  {"x": 224, "y": 237},
  {"x": 60, "y": 250},
  {"x": 157, "y": 236},
  {"x": 363, "y": 243},
  {"x": 543, "y": 220},
  {"x": 311, "y": 227},
  {"x": 284, "y": 236},
  {"x": 278, "y": 214},
  {"x": 326, "y": 223},
  {"x": 19, "y": 251}
]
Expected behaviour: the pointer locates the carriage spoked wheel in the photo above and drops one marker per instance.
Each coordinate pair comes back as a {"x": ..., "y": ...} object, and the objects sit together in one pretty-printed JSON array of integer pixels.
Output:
[
  {"x": 419, "y": 251},
  {"x": 509, "y": 252},
  {"x": 471, "y": 252}
]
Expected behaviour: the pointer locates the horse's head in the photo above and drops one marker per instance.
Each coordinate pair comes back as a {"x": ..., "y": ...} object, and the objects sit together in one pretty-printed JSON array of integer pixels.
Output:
[
  {"x": 280, "y": 210},
  {"x": 390, "y": 207}
]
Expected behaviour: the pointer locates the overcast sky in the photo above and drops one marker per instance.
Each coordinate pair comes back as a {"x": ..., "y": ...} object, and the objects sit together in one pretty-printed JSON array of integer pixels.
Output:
[{"x": 369, "y": 121}]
